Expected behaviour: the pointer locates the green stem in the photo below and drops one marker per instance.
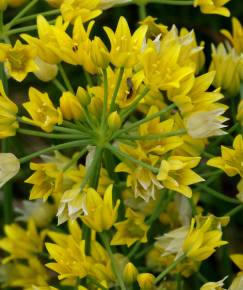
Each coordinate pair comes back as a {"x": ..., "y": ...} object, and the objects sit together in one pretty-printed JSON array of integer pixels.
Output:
[
  {"x": 116, "y": 90},
  {"x": 156, "y": 137},
  {"x": 234, "y": 210},
  {"x": 218, "y": 194},
  {"x": 125, "y": 156},
  {"x": 88, "y": 78},
  {"x": 49, "y": 135},
  {"x": 168, "y": 269},
  {"x": 22, "y": 12},
  {"x": 96, "y": 283},
  {"x": 115, "y": 269},
  {"x": 142, "y": 11},
  {"x": 53, "y": 148},
  {"x": 21, "y": 29},
  {"x": 134, "y": 105},
  {"x": 103, "y": 118},
  {"x": 66, "y": 130},
  {"x": 58, "y": 85},
  {"x": 75, "y": 158},
  {"x": 65, "y": 78},
  {"x": 144, "y": 120},
  {"x": 34, "y": 16}
]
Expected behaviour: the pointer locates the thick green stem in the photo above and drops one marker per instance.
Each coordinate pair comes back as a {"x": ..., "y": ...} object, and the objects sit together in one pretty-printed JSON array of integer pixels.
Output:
[
  {"x": 116, "y": 90},
  {"x": 115, "y": 269},
  {"x": 67, "y": 145},
  {"x": 142, "y": 11},
  {"x": 170, "y": 268}
]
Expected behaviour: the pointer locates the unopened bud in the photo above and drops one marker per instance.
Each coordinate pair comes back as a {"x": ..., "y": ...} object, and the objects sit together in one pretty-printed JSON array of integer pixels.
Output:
[
  {"x": 46, "y": 72},
  {"x": 99, "y": 53},
  {"x": 114, "y": 121},
  {"x": 3, "y": 4},
  {"x": 130, "y": 273},
  {"x": 146, "y": 281},
  {"x": 83, "y": 97},
  {"x": 70, "y": 107},
  {"x": 95, "y": 106}
]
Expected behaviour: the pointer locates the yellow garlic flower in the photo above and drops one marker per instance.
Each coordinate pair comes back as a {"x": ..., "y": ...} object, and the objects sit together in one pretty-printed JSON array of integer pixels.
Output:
[
  {"x": 236, "y": 38},
  {"x": 70, "y": 107},
  {"x": 204, "y": 124},
  {"x": 214, "y": 285},
  {"x": 46, "y": 180},
  {"x": 42, "y": 111},
  {"x": 22, "y": 243},
  {"x": 175, "y": 174},
  {"x": 46, "y": 39},
  {"x": 131, "y": 230},
  {"x": 146, "y": 281},
  {"x": 238, "y": 261},
  {"x": 154, "y": 29},
  {"x": 71, "y": 9},
  {"x": 9, "y": 167},
  {"x": 100, "y": 213},
  {"x": 24, "y": 275},
  {"x": 228, "y": 66},
  {"x": 8, "y": 112},
  {"x": 239, "y": 116},
  {"x": 125, "y": 48},
  {"x": 231, "y": 160},
  {"x": 213, "y": 7},
  {"x": 18, "y": 60},
  {"x": 140, "y": 179},
  {"x": 202, "y": 239},
  {"x": 161, "y": 62}
]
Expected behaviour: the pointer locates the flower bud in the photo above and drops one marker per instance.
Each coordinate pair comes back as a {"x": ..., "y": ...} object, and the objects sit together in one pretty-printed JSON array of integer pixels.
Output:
[
  {"x": 146, "y": 281},
  {"x": 130, "y": 273},
  {"x": 114, "y": 121},
  {"x": 3, "y": 4},
  {"x": 16, "y": 3},
  {"x": 99, "y": 53},
  {"x": 46, "y": 72},
  {"x": 70, "y": 107},
  {"x": 9, "y": 167},
  {"x": 83, "y": 97},
  {"x": 95, "y": 106}
]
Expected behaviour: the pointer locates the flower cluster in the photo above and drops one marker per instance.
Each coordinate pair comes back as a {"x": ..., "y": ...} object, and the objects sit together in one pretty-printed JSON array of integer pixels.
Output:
[{"x": 122, "y": 190}]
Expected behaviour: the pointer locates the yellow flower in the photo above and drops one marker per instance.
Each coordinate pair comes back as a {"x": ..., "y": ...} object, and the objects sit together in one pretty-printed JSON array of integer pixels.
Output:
[
  {"x": 176, "y": 174},
  {"x": 204, "y": 124},
  {"x": 154, "y": 29},
  {"x": 46, "y": 39},
  {"x": 42, "y": 111},
  {"x": 99, "y": 53},
  {"x": 236, "y": 39},
  {"x": 140, "y": 179},
  {"x": 231, "y": 160},
  {"x": 237, "y": 283},
  {"x": 70, "y": 9},
  {"x": 100, "y": 213},
  {"x": 239, "y": 116},
  {"x": 161, "y": 62},
  {"x": 125, "y": 47},
  {"x": 8, "y": 111},
  {"x": 18, "y": 60},
  {"x": 47, "y": 180},
  {"x": 214, "y": 285},
  {"x": 131, "y": 230},
  {"x": 213, "y": 7},
  {"x": 228, "y": 65},
  {"x": 130, "y": 273},
  {"x": 21, "y": 243},
  {"x": 146, "y": 281},
  {"x": 201, "y": 241},
  {"x": 70, "y": 107},
  {"x": 24, "y": 275},
  {"x": 238, "y": 260},
  {"x": 9, "y": 167},
  {"x": 105, "y": 4}
]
